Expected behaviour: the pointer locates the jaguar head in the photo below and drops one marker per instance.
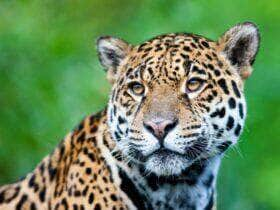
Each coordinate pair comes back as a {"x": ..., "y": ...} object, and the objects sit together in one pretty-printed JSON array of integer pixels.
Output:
[{"x": 178, "y": 98}]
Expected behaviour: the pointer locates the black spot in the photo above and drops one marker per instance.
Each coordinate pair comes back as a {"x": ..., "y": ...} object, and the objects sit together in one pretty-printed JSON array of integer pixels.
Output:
[
  {"x": 148, "y": 49},
  {"x": 90, "y": 198},
  {"x": 187, "y": 49},
  {"x": 209, "y": 57},
  {"x": 91, "y": 156},
  {"x": 81, "y": 181},
  {"x": 184, "y": 56},
  {"x": 230, "y": 123},
  {"x": 2, "y": 197},
  {"x": 114, "y": 197},
  {"x": 52, "y": 171},
  {"x": 178, "y": 60},
  {"x": 223, "y": 85},
  {"x": 210, "y": 66},
  {"x": 235, "y": 89},
  {"x": 193, "y": 45},
  {"x": 241, "y": 113},
  {"x": 61, "y": 151},
  {"x": 97, "y": 207},
  {"x": 88, "y": 171},
  {"x": 77, "y": 193},
  {"x": 75, "y": 207},
  {"x": 85, "y": 190},
  {"x": 194, "y": 172},
  {"x": 32, "y": 183},
  {"x": 21, "y": 202},
  {"x": 42, "y": 194},
  {"x": 219, "y": 112},
  {"x": 114, "y": 110},
  {"x": 220, "y": 133},
  {"x": 187, "y": 66},
  {"x": 130, "y": 189},
  {"x": 121, "y": 120},
  {"x": 118, "y": 137},
  {"x": 205, "y": 44},
  {"x": 33, "y": 206},
  {"x": 119, "y": 130},
  {"x": 210, "y": 204},
  {"x": 199, "y": 71},
  {"x": 217, "y": 72},
  {"x": 81, "y": 138},
  {"x": 158, "y": 49},
  {"x": 224, "y": 145},
  {"x": 208, "y": 182},
  {"x": 209, "y": 98},
  {"x": 64, "y": 203},
  {"x": 232, "y": 103},
  {"x": 150, "y": 71},
  {"x": 237, "y": 130},
  {"x": 214, "y": 92},
  {"x": 215, "y": 126},
  {"x": 11, "y": 197}
]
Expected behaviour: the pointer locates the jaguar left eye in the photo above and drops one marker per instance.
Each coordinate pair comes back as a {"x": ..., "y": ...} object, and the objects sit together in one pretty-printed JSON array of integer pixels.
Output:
[
  {"x": 137, "y": 88},
  {"x": 194, "y": 84}
]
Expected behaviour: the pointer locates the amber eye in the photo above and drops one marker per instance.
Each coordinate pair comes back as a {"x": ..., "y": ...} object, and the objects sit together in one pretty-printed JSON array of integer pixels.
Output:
[
  {"x": 194, "y": 84},
  {"x": 137, "y": 88}
]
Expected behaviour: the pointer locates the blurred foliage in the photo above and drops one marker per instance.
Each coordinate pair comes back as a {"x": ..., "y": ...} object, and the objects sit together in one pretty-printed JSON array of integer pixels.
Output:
[{"x": 50, "y": 78}]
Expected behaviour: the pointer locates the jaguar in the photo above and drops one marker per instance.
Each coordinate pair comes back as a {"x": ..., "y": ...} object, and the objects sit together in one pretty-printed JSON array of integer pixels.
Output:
[{"x": 176, "y": 106}]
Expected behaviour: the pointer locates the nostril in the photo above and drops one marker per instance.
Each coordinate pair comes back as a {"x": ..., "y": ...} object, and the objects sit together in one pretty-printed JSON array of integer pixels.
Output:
[
  {"x": 170, "y": 126},
  {"x": 160, "y": 129},
  {"x": 149, "y": 128}
]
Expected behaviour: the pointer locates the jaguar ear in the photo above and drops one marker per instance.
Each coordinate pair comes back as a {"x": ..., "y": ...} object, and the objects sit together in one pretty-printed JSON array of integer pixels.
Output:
[
  {"x": 240, "y": 44},
  {"x": 112, "y": 52}
]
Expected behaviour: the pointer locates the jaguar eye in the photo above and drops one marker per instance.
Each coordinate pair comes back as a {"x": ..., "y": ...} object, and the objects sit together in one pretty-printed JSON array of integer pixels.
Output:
[
  {"x": 137, "y": 88},
  {"x": 194, "y": 84}
]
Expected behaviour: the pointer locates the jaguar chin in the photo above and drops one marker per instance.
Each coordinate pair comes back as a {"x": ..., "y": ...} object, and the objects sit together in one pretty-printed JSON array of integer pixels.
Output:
[{"x": 164, "y": 162}]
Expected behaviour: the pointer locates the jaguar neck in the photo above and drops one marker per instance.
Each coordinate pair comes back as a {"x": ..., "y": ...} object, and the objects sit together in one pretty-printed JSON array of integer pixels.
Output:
[{"x": 194, "y": 189}]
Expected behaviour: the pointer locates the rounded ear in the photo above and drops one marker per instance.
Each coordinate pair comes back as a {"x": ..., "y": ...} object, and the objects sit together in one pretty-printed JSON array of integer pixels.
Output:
[
  {"x": 240, "y": 44},
  {"x": 112, "y": 51}
]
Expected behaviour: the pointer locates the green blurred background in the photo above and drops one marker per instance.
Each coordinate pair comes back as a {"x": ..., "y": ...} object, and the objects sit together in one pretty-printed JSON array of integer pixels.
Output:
[{"x": 50, "y": 79}]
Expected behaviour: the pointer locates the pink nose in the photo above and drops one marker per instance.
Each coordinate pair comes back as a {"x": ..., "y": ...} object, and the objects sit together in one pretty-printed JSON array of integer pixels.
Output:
[{"x": 160, "y": 128}]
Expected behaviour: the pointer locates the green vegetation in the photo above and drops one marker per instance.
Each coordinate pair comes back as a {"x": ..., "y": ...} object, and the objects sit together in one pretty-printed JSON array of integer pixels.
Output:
[{"x": 50, "y": 79}]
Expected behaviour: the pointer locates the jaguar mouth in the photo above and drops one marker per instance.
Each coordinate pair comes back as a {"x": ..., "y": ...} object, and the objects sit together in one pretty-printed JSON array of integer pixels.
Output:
[
  {"x": 165, "y": 153},
  {"x": 165, "y": 162}
]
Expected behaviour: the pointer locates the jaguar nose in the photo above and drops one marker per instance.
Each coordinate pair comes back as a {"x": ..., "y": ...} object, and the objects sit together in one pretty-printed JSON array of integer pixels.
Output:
[{"x": 161, "y": 128}]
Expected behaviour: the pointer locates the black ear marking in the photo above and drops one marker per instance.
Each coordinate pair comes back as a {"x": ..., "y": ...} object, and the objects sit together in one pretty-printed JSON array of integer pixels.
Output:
[
  {"x": 111, "y": 55},
  {"x": 237, "y": 53},
  {"x": 240, "y": 44}
]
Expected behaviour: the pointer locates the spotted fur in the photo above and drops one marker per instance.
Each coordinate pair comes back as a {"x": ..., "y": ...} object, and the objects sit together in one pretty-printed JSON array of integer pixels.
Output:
[{"x": 177, "y": 104}]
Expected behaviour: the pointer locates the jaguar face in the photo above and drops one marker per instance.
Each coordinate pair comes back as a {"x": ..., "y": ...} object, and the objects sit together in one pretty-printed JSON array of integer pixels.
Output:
[{"x": 178, "y": 98}]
